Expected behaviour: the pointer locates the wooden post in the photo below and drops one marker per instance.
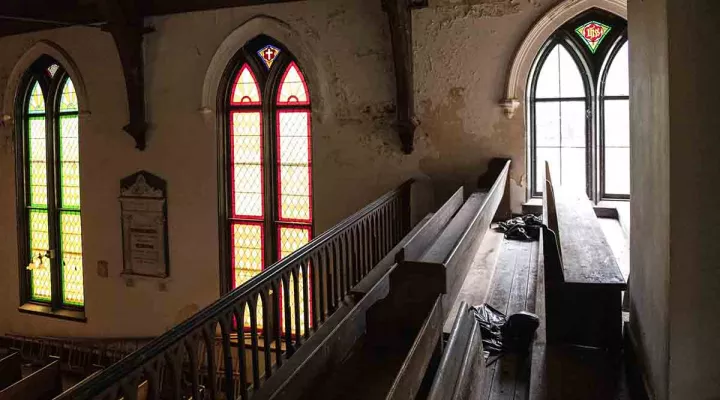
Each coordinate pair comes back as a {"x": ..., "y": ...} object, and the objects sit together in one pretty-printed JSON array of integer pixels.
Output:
[{"x": 400, "y": 19}]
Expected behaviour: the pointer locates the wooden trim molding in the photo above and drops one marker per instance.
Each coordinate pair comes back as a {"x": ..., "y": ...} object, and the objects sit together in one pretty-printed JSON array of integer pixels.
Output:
[{"x": 542, "y": 30}]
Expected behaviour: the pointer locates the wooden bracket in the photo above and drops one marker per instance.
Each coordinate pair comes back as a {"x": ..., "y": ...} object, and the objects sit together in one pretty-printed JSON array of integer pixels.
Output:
[
  {"x": 400, "y": 19},
  {"x": 125, "y": 24}
]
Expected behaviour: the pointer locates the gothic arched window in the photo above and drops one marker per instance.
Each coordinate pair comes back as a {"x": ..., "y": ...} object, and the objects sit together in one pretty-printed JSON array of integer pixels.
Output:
[
  {"x": 267, "y": 208},
  {"x": 578, "y": 108},
  {"x": 48, "y": 182}
]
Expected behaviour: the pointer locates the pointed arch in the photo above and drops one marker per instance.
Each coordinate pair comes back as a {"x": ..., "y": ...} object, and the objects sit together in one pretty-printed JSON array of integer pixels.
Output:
[
  {"x": 39, "y": 49},
  {"x": 521, "y": 66}
]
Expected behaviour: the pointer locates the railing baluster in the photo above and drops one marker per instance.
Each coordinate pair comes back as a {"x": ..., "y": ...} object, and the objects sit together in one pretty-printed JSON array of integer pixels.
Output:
[
  {"x": 332, "y": 276},
  {"x": 267, "y": 340},
  {"x": 287, "y": 317},
  {"x": 252, "y": 303},
  {"x": 322, "y": 284},
  {"x": 296, "y": 304},
  {"x": 240, "y": 329},
  {"x": 174, "y": 359},
  {"x": 209, "y": 338},
  {"x": 153, "y": 374},
  {"x": 307, "y": 302},
  {"x": 316, "y": 291},
  {"x": 277, "y": 321},
  {"x": 225, "y": 329},
  {"x": 191, "y": 346}
]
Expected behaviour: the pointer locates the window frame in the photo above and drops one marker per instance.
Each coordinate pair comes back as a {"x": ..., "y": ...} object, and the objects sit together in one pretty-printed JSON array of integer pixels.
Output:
[
  {"x": 593, "y": 68},
  {"x": 52, "y": 88},
  {"x": 269, "y": 82}
]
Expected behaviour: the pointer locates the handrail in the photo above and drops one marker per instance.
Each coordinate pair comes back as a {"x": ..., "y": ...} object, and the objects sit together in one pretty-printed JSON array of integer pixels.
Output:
[{"x": 336, "y": 260}]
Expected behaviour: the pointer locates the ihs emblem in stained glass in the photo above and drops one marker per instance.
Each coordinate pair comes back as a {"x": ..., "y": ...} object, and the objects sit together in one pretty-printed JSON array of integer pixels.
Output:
[
  {"x": 593, "y": 33},
  {"x": 268, "y": 54}
]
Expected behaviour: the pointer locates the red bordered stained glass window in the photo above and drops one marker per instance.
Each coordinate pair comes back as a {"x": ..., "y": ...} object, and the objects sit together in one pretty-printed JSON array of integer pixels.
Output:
[{"x": 268, "y": 162}]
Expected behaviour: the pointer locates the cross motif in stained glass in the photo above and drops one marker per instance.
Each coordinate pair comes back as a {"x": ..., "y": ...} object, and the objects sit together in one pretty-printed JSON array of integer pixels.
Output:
[
  {"x": 593, "y": 33},
  {"x": 268, "y": 54}
]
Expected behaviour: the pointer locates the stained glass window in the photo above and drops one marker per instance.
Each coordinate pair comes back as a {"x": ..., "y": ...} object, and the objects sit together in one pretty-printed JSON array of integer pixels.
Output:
[
  {"x": 593, "y": 33},
  {"x": 269, "y": 153},
  {"x": 578, "y": 103},
  {"x": 52, "y": 224}
]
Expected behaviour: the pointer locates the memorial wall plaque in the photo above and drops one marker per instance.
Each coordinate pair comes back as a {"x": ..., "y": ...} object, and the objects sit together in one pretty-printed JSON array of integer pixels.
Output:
[{"x": 143, "y": 204}]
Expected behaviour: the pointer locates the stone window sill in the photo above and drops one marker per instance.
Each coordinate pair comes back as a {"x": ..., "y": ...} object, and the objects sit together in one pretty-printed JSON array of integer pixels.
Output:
[{"x": 47, "y": 311}]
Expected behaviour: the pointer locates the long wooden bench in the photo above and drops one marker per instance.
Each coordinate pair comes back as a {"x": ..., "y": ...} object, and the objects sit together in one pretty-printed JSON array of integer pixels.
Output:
[
  {"x": 404, "y": 329},
  {"x": 43, "y": 384},
  {"x": 583, "y": 282},
  {"x": 10, "y": 370}
]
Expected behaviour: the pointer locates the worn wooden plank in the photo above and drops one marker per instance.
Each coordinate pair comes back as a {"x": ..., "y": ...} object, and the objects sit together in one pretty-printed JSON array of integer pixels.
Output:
[
  {"x": 10, "y": 370},
  {"x": 412, "y": 372},
  {"x": 586, "y": 255},
  {"x": 43, "y": 384},
  {"x": 446, "y": 378},
  {"x": 423, "y": 238}
]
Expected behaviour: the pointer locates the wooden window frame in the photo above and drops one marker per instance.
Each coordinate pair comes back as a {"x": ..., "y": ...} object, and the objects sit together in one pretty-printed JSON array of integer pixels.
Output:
[
  {"x": 268, "y": 81},
  {"x": 52, "y": 92},
  {"x": 593, "y": 68}
]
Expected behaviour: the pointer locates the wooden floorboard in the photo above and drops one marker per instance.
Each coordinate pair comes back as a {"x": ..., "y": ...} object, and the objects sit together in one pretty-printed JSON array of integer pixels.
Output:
[{"x": 512, "y": 290}]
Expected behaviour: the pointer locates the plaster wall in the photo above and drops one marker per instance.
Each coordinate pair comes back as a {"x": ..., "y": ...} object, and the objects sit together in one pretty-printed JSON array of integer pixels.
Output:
[
  {"x": 650, "y": 203},
  {"x": 462, "y": 52},
  {"x": 694, "y": 178}
]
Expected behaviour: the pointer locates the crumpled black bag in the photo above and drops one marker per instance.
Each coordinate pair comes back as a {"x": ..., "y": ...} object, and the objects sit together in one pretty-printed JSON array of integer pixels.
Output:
[
  {"x": 505, "y": 335},
  {"x": 525, "y": 228}
]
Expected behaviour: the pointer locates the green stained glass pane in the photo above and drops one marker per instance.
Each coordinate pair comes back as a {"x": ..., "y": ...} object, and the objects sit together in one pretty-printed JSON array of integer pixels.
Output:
[
  {"x": 71, "y": 255},
  {"x": 593, "y": 33},
  {"x": 39, "y": 245},
  {"x": 37, "y": 100},
  {"x": 69, "y": 161},
  {"x": 68, "y": 100},
  {"x": 37, "y": 153}
]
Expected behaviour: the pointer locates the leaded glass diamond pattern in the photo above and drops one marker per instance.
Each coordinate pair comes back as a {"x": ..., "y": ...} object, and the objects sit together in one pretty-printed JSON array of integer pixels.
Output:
[
  {"x": 72, "y": 270},
  {"x": 247, "y": 164},
  {"x": 247, "y": 242},
  {"x": 39, "y": 245},
  {"x": 68, "y": 100},
  {"x": 293, "y": 90},
  {"x": 69, "y": 162},
  {"x": 294, "y": 168},
  {"x": 41, "y": 165}
]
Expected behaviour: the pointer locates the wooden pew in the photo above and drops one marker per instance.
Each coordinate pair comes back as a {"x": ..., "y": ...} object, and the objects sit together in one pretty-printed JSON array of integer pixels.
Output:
[
  {"x": 583, "y": 282},
  {"x": 43, "y": 384},
  {"x": 423, "y": 289},
  {"x": 10, "y": 370},
  {"x": 460, "y": 372}
]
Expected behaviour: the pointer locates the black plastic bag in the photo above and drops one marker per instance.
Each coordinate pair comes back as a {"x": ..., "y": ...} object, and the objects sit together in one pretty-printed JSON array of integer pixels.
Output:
[
  {"x": 525, "y": 228},
  {"x": 502, "y": 335}
]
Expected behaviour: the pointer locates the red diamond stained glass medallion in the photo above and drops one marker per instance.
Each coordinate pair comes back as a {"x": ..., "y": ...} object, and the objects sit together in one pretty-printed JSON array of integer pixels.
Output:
[{"x": 593, "y": 33}]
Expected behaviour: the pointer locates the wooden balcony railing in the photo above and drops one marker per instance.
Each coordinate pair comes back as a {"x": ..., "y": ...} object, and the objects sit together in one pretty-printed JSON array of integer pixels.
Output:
[{"x": 230, "y": 348}]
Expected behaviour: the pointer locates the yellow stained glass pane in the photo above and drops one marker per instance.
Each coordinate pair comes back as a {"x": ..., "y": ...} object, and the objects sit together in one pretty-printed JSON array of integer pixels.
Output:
[
  {"x": 40, "y": 276},
  {"x": 37, "y": 100},
  {"x": 69, "y": 162},
  {"x": 245, "y": 90},
  {"x": 295, "y": 166},
  {"x": 68, "y": 100},
  {"x": 291, "y": 239},
  {"x": 72, "y": 267},
  {"x": 247, "y": 240},
  {"x": 292, "y": 88},
  {"x": 37, "y": 155},
  {"x": 247, "y": 164}
]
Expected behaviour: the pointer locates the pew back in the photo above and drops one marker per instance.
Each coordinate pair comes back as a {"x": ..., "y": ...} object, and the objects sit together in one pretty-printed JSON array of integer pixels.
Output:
[{"x": 43, "y": 384}]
